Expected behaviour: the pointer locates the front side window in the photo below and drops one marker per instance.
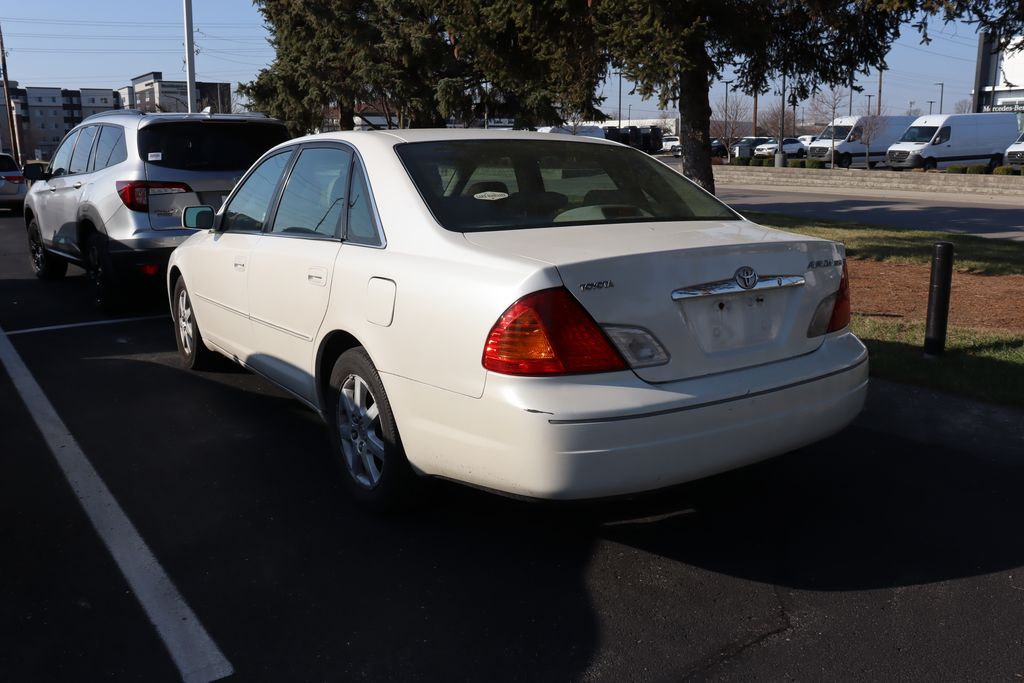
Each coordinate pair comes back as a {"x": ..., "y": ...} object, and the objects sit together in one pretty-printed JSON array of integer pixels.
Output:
[
  {"x": 62, "y": 157},
  {"x": 942, "y": 135},
  {"x": 80, "y": 159},
  {"x": 835, "y": 133},
  {"x": 247, "y": 210},
  {"x": 316, "y": 195},
  {"x": 475, "y": 185}
]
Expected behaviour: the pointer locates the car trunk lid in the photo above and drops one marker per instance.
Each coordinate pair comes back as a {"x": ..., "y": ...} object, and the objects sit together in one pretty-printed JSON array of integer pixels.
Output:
[{"x": 684, "y": 282}]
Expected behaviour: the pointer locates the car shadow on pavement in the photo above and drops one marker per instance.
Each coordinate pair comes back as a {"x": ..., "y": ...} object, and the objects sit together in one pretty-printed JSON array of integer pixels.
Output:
[{"x": 861, "y": 510}]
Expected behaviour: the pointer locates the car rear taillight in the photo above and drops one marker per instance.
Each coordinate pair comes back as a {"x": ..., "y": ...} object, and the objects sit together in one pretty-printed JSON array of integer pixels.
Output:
[
  {"x": 549, "y": 333},
  {"x": 14, "y": 178},
  {"x": 135, "y": 193},
  {"x": 841, "y": 311}
]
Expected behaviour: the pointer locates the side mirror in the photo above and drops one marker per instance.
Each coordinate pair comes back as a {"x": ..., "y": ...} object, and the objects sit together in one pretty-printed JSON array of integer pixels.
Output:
[
  {"x": 34, "y": 172},
  {"x": 197, "y": 217}
]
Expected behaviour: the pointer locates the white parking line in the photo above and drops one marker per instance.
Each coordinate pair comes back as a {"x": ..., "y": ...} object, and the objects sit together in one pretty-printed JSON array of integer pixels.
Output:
[
  {"x": 91, "y": 323},
  {"x": 194, "y": 653}
]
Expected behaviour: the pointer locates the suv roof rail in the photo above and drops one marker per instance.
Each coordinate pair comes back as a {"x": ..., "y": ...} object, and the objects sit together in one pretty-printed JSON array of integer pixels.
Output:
[{"x": 115, "y": 112}]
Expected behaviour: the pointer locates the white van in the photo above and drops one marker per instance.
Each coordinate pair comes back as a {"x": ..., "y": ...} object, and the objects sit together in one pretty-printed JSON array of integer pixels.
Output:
[
  {"x": 854, "y": 136},
  {"x": 938, "y": 140},
  {"x": 1015, "y": 153}
]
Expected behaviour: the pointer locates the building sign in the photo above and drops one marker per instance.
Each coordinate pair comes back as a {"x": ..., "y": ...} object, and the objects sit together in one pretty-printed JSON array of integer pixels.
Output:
[{"x": 1003, "y": 107}]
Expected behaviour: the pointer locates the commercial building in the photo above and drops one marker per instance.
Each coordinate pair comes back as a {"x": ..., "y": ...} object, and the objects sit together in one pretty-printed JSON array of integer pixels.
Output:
[
  {"x": 999, "y": 78},
  {"x": 43, "y": 115},
  {"x": 150, "y": 92}
]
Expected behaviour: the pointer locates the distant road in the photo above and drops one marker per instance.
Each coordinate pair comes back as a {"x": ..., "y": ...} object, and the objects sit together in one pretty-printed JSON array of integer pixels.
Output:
[{"x": 998, "y": 217}]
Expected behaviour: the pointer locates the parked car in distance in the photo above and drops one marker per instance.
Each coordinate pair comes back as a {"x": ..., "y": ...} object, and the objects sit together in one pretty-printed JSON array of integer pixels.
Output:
[
  {"x": 791, "y": 147},
  {"x": 668, "y": 141},
  {"x": 806, "y": 140},
  {"x": 938, "y": 140},
  {"x": 112, "y": 196},
  {"x": 853, "y": 137},
  {"x": 717, "y": 149},
  {"x": 1015, "y": 153},
  {"x": 553, "y": 317},
  {"x": 744, "y": 147},
  {"x": 12, "y": 185}
]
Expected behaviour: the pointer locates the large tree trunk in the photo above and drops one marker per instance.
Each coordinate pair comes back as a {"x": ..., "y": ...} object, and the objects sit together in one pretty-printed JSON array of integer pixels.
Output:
[{"x": 695, "y": 126}]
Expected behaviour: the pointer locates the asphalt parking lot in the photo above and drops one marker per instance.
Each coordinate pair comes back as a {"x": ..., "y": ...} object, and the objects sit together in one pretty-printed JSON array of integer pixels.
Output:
[{"x": 869, "y": 556}]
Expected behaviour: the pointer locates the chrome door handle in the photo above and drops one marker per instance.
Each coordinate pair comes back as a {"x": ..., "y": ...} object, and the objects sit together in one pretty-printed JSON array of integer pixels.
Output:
[
  {"x": 78, "y": 185},
  {"x": 51, "y": 188},
  {"x": 317, "y": 276}
]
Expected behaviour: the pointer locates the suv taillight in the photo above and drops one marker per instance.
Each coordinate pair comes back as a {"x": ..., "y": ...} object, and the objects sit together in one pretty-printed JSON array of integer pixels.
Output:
[
  {"x": 14, "y": 178},
  {"x": 549, "y": 333},
  {"x": 841, "y": 310},
  {"x": 135, "y": 193}
]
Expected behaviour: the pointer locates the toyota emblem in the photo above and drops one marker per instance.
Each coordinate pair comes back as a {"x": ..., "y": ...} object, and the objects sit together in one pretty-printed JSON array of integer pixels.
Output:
[{"x": 746, "y": 277}]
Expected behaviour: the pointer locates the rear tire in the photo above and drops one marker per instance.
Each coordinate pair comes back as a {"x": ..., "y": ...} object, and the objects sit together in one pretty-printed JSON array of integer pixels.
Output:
[
  {"x": 105, "y": 294},
  {"x": 45, "y": 265},
  {"x": 193, "y": 352},
  {"x": 364, "y": 437}
]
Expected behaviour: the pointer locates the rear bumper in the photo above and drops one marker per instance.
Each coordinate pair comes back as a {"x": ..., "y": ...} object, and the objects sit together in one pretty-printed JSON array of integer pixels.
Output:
[{"x": 598, "y": 436}]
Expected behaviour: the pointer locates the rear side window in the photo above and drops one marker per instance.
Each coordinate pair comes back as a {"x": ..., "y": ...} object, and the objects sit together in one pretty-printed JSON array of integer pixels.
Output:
[
  {"x": 80, "y": 159},
  {"x": 213, "y": 145},
  {"x": 314, "y": 199},
  {"x": 110, "y": 149}
]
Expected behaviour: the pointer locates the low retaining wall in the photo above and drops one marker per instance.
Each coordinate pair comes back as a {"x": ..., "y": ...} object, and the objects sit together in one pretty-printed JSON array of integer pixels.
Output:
[{"x": 878, "y": 179}]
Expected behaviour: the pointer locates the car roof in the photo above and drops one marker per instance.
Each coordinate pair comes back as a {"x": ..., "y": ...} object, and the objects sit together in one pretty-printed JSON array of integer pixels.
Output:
[
  {"x": 148, "y": 118},
  {"x": 397, "y": 136}
]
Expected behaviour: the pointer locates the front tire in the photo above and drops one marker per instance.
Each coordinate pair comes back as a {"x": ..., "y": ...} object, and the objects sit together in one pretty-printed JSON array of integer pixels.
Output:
[
  {"x": 193, "y": 352},
  {"x": 364, "y": 436},
  {"x": 45, "y": 265},
  {"x": 845, "y": 160}
]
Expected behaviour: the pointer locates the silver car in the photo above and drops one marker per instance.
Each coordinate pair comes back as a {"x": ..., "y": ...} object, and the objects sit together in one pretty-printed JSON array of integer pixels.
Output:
[
  {"x": 112, "y": 197},
  {"x": 12, "y": 185}
]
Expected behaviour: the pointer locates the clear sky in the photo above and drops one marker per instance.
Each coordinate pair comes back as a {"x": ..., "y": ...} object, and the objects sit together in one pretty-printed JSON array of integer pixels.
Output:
[{"x": 106, "y": 43}]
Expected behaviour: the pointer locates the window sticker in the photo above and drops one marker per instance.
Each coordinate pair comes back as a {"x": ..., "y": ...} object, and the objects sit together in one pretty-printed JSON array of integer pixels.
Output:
[
  {"x": 491, "y": 196},
  {"x": 156, "y": 156}
]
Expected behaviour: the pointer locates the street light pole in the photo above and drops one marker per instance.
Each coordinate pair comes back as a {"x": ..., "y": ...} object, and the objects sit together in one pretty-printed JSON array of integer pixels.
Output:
[
  {"x": 910, "y": 107},
  {"x": 630, "y": 115},
  {"x": 869, "y": 96},
  {"x": 726, "y": 122},
  {"x": 930, "y": 103},
  {"x": 942, "y": 87},
  {"x": 190, "y": 58}
]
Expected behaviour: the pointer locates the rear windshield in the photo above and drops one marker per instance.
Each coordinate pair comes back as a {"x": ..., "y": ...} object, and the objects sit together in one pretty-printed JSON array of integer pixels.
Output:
[
  {"x": 208, "y": 145},
  {"x": 7, "y": 163},
  {"x": 475, "y": 185},
  {"x": 919, "y": 134}
]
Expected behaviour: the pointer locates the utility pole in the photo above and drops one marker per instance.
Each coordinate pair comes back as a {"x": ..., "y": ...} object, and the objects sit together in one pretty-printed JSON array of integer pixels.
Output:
[
  {"x": 754, "y": 132},
  {"x": 190, "y": 58},
  {"x": 619, "y": 122},
  {"x": 726, "y": 135},
  {"x": 942, "y": 87},
  {"x": 930, "y": 103},
  {"x": 8, "y": 104},
  {"x": 780, "y": 153},
  {"x": 879, "y": 100},
  {"x": 869, "y": 103}
]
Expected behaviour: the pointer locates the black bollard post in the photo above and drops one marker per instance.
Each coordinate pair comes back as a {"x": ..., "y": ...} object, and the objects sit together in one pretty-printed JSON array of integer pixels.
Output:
[{"x": 938, "y": 300}]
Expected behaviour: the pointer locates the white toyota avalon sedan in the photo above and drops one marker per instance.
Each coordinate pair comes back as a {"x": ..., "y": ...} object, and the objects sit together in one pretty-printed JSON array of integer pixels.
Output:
[{"x": 540, "y": 315}]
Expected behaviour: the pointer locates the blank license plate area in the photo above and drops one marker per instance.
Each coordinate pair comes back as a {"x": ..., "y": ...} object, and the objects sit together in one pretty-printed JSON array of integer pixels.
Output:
[{"x": 726, "y": 323}]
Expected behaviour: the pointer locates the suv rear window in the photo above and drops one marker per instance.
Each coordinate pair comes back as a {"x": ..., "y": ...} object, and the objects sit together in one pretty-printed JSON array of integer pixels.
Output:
[
  {"x": 8, "y": 164},
  {"x": 208, "y": 145}
]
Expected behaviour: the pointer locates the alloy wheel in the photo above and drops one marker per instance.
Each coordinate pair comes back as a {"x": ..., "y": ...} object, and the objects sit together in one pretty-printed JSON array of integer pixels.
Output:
[
  {"x": 359, "y": 429},
  {"x": 185, "y": 322}
]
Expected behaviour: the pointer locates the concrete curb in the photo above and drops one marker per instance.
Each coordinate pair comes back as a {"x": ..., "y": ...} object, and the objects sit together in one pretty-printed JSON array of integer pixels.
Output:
[
  {"x": 881, "y": 179},
  {"x": 932, "y": 417}
]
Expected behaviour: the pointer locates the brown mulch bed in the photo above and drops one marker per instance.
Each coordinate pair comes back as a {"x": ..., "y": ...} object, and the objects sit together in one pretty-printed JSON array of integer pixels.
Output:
[{"x": 900, "y": 291}]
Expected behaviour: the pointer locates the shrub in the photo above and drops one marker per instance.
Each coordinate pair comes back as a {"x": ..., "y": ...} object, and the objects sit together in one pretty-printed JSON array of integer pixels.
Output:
[
  {"x": 979, "y": 169},
  {"x": 740, "y": 161},
  {"x": 814, "y": 163},
  {"x": 796, "y": 163},
  {"x": 956, "y": 168},
  {"x": 756, "y": 161},
  {"x": 1006, "y": 170}
]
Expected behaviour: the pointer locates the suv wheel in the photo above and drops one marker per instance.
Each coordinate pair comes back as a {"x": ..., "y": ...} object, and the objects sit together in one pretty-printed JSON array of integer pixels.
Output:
[
  {"x": 97, "y": 266},
  {"x": 45, "y": 265}
]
